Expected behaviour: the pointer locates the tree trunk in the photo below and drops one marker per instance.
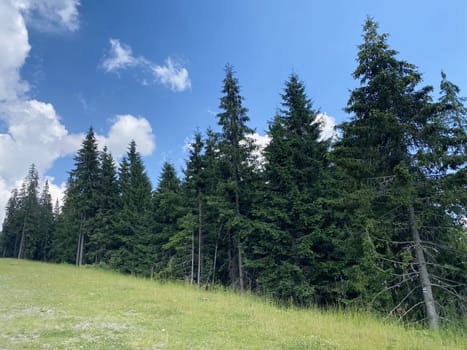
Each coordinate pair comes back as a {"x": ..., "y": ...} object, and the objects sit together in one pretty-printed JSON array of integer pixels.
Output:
[
  {"x": 23, "y": 238},
  {"x": 240, "y": 266},
  {"x": 80, "y": 248},
  {"x": 430, "y": 307},
  {"x": 239, "y": 244},
  {"x": 214, "y": 263},
  {"x": 200, "y": 239},
  {"x": 192, "y": 256},
  {"x": 81, "y": 253}
]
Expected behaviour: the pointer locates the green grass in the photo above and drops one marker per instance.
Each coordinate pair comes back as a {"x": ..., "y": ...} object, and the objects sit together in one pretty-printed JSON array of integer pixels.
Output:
[{"x": 45, "y": 306}]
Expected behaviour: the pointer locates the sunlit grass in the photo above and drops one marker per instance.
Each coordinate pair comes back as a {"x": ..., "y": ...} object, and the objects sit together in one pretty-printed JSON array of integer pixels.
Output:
[{"x": 45, "y": 306}]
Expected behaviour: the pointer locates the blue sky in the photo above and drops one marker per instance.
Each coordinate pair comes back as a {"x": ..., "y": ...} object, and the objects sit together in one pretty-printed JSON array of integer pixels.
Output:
[{"x": 153, "y": 70}]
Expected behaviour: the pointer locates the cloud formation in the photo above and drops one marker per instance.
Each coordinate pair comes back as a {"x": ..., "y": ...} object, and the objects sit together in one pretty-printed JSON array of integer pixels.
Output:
[
  {"x": 119, "y": 57},
  {"x": 328, "y": 126},
  {"x": 14, "y": 48},
  {"x": 124, "y": 129},
  {"x": 50, "y": 15},
  {"x": 31, "y": 131},
  {"x": 21, "y": 117},
  {"x": 23, "y": 144},
  {"x": 171, "y": 74}
]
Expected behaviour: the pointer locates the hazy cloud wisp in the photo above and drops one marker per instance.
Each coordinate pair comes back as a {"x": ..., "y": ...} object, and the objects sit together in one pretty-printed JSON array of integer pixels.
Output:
[
  {"x": 50, "y": 15},
  {"x": 171, "y": 74}
]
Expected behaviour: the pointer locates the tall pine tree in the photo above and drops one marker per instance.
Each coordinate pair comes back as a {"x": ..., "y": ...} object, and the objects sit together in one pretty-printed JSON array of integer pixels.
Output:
[
  {"x": 102, "y": 241},
  {"x": 390, "y": 148},
  {"x": 292, "y": 246},
  {"x": 172, "y": 243},
  {"x": 132, "y": 232},
  {"x": 80, "y": 205},
  {"x": 235, "y": 172}
]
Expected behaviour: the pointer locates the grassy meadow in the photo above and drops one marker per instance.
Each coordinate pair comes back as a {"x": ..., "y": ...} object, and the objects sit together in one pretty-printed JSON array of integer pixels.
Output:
[{"x": 45, "y": 306}]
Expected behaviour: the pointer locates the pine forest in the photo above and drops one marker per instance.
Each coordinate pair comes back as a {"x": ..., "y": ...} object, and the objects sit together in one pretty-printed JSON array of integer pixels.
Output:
[{"x": 373, "y": 218}]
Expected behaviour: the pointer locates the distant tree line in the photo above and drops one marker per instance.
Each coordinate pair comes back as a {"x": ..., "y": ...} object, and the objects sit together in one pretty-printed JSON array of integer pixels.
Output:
[{"x": 372, "y": 218}]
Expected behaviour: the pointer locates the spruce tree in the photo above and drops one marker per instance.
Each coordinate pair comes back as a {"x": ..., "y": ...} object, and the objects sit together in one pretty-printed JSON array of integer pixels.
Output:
[
  {"x": 390, "y": 148},
  {"x": 108, "y": 203},
  {"x": 11, "y": 228},
  {"x": 80, "y": 205},
  {"x": 214, "y": 246},
  {"x": 46, "y": 224},
  {"x": 195, "y": 189},
  {"x": 132, "y": 232},
  {"x": 29, "y": 214},
  {"x": 172, "y": 228},
  {"x": 235, "y": 171},
  {"x": 293, "y": 244}
]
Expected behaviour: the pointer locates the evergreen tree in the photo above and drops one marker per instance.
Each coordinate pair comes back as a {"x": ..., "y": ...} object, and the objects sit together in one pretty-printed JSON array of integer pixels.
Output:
[
  {"x": 29, "y": 211},
  {"x": 388, "y": 148},
  {"x": 215, "y": 249},
  {"x": 235, "y": 172},
  {"x": 80, "y": 205},
  {"x": 46, "y": 224},
  {"x": 132, "y": 232},
  {"x": 194, "y": 185},
  {"x": 293, "y": 248},
  {"x": 108, "y": 204},
  {"x": 10, "y": 235},
  {"x": 173, "y": 230},
  {"x": 27, "y": 229}
]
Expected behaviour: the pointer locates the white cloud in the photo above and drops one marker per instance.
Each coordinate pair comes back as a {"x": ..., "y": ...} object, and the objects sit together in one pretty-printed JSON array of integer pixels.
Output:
[
  {"x": 5, "y": 192},
  {"x": 119, "y": 57},
  {"x": 188, "y": 144},
  {"x": 33, "y": 131},
  {"x": 124, "y": 129},
  {"x": 14, "y": 48},
  {"x": 56, "y": 191},
  {"x": 35, "y": 134},
  {"x": 260, "y": 141},
  {"x": 328, "y": 126},
  {"x": 171, "y": 74},
  {"x": 50, "y": 15}
]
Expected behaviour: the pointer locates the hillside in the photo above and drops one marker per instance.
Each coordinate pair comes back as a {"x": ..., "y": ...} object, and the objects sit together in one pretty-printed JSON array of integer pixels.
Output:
[{"x": 63, "y": 307}]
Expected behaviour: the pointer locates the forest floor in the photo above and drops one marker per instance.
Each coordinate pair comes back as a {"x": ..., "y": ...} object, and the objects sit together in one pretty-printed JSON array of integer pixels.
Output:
[{"x": 46, "y": 306}]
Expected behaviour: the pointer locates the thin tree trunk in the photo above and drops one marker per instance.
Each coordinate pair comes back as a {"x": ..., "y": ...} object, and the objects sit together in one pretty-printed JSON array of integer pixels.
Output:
[
  {"x": 79, "y": 249},
  {"x": 192, "y": 256},
  {"x": 200, "y": 239},
  {"x": 17, "y": 238},
  {"x": 230, "y": 259},
  {"x": 214, "y": 264},
  {"x": 21, "y": 244},
  {"x": 81, "y": 253},
  {"x": 240, "y": 266},
  {"x": 45, "y": 247},
  {"x": 431, "y": 313},
  {"x": 239, "y": 244},
  {"x": 212, "y": 271}
]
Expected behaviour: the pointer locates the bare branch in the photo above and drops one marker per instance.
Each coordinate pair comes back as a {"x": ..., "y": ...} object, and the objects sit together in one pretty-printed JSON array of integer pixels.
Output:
[
  {"x": 403, "y": 299},
  {"x": 409, "y": 310}
]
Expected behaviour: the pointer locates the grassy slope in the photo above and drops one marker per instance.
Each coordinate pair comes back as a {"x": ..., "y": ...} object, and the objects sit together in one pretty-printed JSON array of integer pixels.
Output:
[{"x": 62, "y": 307}]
